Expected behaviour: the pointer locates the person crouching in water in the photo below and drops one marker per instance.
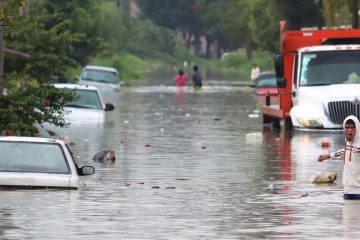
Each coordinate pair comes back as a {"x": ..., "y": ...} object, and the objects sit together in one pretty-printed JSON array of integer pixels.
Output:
[
  {"x": 105, "y": 156},
  {"x": 180, "y": 79},
  {"x": 351, "y": 157}
]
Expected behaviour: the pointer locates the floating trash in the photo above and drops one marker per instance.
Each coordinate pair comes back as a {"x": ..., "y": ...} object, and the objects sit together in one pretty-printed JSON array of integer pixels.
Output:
[
  {"x": 254, "y": 137},
  {"x": 253, "y": 115},
  {"x": 304, "y": 195},
  {"x": 148, "y": 145},
  {"x": 187, "y": 114},
  {"x": 323, "y": 177}
]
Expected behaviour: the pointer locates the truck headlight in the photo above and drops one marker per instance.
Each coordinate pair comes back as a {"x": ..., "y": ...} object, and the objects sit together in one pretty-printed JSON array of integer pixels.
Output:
[{"x": 310, "y": 122}]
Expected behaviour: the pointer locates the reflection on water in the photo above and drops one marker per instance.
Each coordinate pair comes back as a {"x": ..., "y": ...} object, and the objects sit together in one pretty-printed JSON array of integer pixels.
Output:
[{"x": 185, "y": 169}]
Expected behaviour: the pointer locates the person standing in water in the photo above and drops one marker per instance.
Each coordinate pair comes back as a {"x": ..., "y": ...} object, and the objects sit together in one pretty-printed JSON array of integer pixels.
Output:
[
  {"x": 196, "y": 77},
  {"x": 350, "y": 154},
  {"x": 255, "y": 73},
  {"x": 181, "y": 79}
]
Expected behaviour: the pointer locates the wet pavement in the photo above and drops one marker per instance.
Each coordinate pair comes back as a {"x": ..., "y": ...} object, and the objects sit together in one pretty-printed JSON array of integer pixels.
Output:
[{"x": 190, "y": 165}]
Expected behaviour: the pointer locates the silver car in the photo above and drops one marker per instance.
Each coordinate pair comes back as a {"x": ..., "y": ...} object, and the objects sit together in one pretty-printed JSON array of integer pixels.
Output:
[
  {"x": 30, "y": 162},
  {"x": 104, "y": 78}
]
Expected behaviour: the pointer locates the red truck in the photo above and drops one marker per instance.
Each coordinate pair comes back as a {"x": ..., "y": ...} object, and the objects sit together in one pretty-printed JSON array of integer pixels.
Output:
[{"x": 318, "y": 79}]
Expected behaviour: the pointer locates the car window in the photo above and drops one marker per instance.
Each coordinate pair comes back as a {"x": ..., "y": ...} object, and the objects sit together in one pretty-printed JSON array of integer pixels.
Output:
[
  {"x": 100, "y": 76},
  {"x": 266, "y": 81},
  {"x": 87, "y": 99},
  {"x": 32, "y": 157}
]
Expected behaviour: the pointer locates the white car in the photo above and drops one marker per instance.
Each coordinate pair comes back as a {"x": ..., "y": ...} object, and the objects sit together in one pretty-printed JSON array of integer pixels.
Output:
[
  {"x": 104, "y": 78},
  {"x": 31, "y": 162},
  {"x": 90, "y": 106}
]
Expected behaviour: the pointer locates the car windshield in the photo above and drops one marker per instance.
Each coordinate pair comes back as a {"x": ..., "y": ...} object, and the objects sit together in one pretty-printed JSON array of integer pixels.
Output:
[
  {"x": 87, "y": 99},
  {"x": 32, "y": 157},
  {"x": 330, "y": 67},
  {"x": 100, "y": 76},
  {"x": 267, "y": 80}
]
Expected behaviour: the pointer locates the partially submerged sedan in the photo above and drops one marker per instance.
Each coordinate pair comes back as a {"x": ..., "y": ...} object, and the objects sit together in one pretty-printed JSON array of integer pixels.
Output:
[
  {"x": 30, "y": 162},
  {"x": 89, "y": 107},
  {"x": 104, "y": 78}
]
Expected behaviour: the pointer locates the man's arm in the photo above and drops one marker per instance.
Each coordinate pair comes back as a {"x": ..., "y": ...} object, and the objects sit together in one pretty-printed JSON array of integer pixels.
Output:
[{"x": 336, "y": 155}]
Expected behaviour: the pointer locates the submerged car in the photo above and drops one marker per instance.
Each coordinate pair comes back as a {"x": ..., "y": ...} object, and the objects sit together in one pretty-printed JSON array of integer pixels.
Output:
[
  {"x": 32, "y": 162},
  {"x": 89, "y": 107},
  {"x": 104, "y": 78},
  {"x": 266, "y": 83}
]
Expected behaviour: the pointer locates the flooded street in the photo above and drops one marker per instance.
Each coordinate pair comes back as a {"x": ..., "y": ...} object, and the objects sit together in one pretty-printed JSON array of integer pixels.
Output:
[{"x": 187, "y": 168}]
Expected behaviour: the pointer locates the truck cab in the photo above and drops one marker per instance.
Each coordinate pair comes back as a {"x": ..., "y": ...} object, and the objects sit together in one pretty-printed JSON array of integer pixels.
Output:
[
  {"x": 326, "y": 86},
  {"x": 318, "y": 76}
]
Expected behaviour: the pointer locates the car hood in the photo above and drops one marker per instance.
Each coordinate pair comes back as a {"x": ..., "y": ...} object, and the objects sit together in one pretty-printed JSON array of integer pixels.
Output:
[
  {"x": 74, "y": 115},
  {"x": 343, "y": 92},
  {"x": 101, "y": 85}
]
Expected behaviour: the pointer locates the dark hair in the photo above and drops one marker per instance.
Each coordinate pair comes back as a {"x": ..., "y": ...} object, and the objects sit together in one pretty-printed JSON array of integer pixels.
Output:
[
  {"x": 196, "y": 67},
  {"x": 181, "y": 72},
  {"x": 350, "y": 121}
]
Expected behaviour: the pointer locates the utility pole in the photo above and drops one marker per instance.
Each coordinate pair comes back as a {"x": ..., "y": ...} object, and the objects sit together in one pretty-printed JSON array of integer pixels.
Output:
[{"x": 2, "y": 81}]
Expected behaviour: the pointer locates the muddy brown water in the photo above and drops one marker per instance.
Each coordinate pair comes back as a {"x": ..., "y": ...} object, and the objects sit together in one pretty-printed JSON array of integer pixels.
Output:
[{"x": 190, "y": 165}]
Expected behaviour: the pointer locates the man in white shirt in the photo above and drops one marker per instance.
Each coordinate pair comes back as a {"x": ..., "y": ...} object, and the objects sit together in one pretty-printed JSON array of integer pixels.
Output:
[
  {"x": 350, "y": 154},
  {"x": 255, "y": 72}
]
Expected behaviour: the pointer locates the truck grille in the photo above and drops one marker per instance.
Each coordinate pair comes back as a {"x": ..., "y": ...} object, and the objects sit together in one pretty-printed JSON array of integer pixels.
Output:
[{"x": 338, "y": 111}]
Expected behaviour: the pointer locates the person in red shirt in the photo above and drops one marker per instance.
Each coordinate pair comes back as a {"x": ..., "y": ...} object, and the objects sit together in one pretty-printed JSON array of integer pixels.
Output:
[{"x": 181, "y": 79}]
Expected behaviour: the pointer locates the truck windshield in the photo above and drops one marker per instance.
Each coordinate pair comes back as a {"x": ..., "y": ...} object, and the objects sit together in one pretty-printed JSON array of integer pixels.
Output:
[{"x": 330, "y": 67}]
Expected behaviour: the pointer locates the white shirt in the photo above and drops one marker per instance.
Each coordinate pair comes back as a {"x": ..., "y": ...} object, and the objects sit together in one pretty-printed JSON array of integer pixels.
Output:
[{"x": 255, "y": 72}]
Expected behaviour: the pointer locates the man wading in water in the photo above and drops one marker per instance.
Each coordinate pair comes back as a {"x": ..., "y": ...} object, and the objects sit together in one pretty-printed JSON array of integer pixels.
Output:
[{"x": 351, "y": 157}]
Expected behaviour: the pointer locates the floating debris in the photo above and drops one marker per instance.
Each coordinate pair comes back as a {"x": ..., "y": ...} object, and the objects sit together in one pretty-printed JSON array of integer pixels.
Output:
[
  {"x": 323, "y": 177},
  {"x": 170, "y": 187},
  {"x": 148, "y": 145},
  {"x": 304, "y": 195},
  {"x": 254, "y": 137},
  {"x": 253, "y": 115},
  {"x": 181, "y": 179},
  {"x": 155, "y": 187},
  {"x": 217, "y": 119}
]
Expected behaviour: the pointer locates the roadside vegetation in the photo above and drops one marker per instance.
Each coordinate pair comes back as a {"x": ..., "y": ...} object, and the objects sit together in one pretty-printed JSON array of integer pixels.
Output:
[{"x": 137, "y": 37}]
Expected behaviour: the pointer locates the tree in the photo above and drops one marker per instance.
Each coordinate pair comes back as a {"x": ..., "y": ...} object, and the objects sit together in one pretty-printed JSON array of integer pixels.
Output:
[{"x": 29, "y": 98}]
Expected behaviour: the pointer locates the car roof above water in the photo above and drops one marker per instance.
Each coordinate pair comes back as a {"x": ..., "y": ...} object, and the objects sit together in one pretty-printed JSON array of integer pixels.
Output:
[
  {"x": 74, "y": 86},
  {"x": 93, "y": 67},
  {"x": 29, "y": 139}
]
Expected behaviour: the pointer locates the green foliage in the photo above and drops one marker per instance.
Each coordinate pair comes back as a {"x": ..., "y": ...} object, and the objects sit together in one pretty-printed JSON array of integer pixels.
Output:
[
  {"x": 130, "y": 67},
  {"x": 83, "y": 17},
  {"x": 47, "y": 46},
  {"x": 28, "y": 103},
  {"x": 30, "y": 99},
  {"x": 112, "y": 29}
]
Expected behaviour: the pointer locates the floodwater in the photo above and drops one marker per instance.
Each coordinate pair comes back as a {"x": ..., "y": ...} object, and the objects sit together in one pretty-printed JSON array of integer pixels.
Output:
[{"x": 190, "y": 165}]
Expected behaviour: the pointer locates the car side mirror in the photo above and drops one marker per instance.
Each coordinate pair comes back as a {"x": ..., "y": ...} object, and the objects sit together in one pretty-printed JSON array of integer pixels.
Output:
[
  {"x": 279, "y": 65},
  {"x": 86, "y": 170},
  {"x": 281, "y": 82},
  {"x": 77, "y": 79},
  {"x": 109, "y": 107}
]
